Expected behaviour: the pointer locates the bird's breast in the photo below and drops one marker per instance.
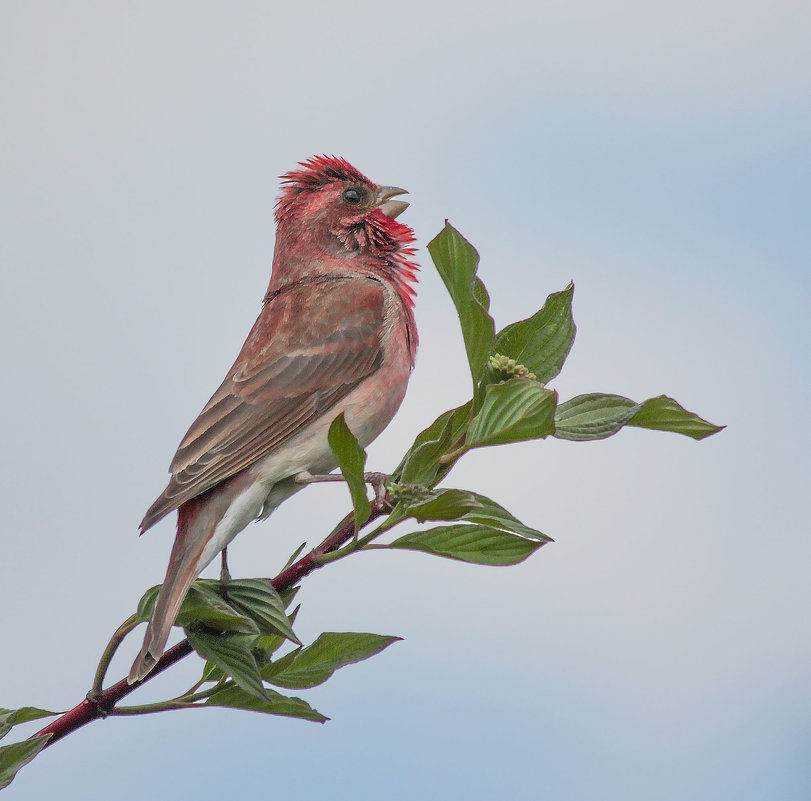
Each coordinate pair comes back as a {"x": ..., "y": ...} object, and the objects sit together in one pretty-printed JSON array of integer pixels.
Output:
[{"x": 367, "y": 409}]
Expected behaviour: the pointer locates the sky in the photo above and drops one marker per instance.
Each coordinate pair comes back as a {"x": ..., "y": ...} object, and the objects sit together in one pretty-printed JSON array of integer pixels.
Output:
[{"x": 656, "y": 154}]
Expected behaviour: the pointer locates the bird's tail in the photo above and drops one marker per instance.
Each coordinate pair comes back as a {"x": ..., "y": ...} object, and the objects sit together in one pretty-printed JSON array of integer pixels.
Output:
[{"x": 184, "y": 565}]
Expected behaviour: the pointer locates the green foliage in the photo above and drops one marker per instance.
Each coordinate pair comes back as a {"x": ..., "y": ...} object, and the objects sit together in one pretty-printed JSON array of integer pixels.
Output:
[
  {"x": 204, "y": 606},
  {"x": 597, "y": 416},
  {"x": 244, "y": 630},
  {"x": 450, "y": 504},
  {"x": 271, "y": 703},
  {"x": 17, "y": 755},
  {"x": 517, "y": 410},
  {"x": 464, "y": 506},
  {"x": 456, "y": 260},
  {"x": 314, "y": 664},
  {"x": 243, "y": 662},
  {"x": 233, "y": 654},
  {"x": 542, "y": 342},
  {"x": 11, "y": 717},
  {"x": 242, "y": 665},
  {"x": 423, "y": 464},
  {"x": 472, "y": 507},
  {"x": 147, "y": 603},
  {"x": 249, "y": 606},
  {"x": 481, "y": 545},
  {"x": 240, "y": 633},
  {"x": 351, "y": 459},
  {"x": 485, "y": 532},
  {"x": 665, "y": 414},
  {"x": 259, "y": 601}
]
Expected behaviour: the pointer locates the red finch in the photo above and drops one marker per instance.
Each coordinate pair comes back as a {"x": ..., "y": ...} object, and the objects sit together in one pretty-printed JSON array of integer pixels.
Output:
[{"x": 336, "y": 334}]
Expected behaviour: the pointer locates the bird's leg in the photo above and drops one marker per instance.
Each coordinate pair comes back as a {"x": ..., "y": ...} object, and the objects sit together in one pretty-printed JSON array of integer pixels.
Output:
[
  {"x": 377, "y": 480},
  {"x": 225, "y": 576},
  {"x": 305, "y": 477}
]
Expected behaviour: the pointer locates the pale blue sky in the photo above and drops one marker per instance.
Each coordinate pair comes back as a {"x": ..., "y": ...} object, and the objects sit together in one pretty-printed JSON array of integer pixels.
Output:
[{"x": 655, "y": 154}]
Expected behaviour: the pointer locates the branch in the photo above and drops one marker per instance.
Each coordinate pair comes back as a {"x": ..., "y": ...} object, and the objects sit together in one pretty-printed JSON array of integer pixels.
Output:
[{"x": 100, "y": 704}]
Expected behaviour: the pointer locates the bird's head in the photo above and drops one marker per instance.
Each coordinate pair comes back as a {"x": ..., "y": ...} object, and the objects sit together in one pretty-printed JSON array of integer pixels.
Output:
[{"x": 329, "y": 207}]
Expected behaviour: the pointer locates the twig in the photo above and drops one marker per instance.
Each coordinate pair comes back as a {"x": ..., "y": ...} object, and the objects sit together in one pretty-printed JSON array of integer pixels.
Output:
[
  {"x": 94, "y": 696},
  {"x": 104, "y": 701}
]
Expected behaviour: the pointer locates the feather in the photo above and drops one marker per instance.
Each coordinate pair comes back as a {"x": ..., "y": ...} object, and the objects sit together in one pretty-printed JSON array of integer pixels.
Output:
[{"x": 297, "y": 362}]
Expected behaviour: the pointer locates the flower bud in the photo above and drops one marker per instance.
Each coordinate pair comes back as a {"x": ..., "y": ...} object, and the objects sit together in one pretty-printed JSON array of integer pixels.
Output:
[{"x": 505, "y": 368}]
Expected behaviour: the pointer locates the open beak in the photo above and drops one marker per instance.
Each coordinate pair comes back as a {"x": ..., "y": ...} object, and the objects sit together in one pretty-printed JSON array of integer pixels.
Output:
[{"x": 383, "y": 201}]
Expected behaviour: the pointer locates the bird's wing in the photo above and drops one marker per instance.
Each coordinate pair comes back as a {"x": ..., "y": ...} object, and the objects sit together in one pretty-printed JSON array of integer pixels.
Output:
[{"x": 302, "y": 356}]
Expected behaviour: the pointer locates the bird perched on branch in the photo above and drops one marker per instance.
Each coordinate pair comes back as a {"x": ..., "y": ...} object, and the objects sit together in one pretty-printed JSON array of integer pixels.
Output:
[{"x": 336, "y": 334}]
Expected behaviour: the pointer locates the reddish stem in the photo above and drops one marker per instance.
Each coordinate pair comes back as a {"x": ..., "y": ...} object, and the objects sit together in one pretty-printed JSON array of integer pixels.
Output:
[{"x": 100, "y": 706}]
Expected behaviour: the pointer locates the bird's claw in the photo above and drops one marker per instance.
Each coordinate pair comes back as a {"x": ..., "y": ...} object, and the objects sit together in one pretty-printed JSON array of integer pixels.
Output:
[{"x": 378, "y": 482}]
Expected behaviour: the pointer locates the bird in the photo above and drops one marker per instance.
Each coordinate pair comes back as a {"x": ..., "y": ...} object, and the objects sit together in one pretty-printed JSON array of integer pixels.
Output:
[{"x": 336, "y": 334}]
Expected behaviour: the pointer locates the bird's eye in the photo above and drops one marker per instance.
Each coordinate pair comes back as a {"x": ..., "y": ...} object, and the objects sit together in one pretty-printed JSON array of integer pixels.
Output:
[{"x": 352, "y": 196}]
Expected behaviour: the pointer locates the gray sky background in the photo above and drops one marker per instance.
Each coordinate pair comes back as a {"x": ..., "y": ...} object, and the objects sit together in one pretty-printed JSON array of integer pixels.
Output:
[{"x": 655, "y": 153}]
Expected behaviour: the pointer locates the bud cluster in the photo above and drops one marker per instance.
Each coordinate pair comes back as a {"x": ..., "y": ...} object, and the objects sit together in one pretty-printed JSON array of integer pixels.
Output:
[
  {"x": 407, "y": 493},
  {"x": 505, "y": 368}
]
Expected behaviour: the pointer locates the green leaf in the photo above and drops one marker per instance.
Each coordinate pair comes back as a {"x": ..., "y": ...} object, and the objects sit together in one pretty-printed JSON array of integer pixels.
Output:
[
  {"x": 351, "y": 459},
  {"x": 519, "y": 409},
  {"x": 470, "y": 507},
  {"x": 332, "y": 650},
  {"x": 594, "y": 416},
  {"x": 13, "y": 717},
  {"x": 490, "y": 513},
  {"x": 272, "y": 703},
  {"x": 258, "y": 599},
  {"x": 541, "y": 342},
  {"x": 597, "y": 416},
  {"x": 233, "y": 654},
  {"x": 665, "y": 414},
  {"x": 289, "y": 594},
  {"x": 203, "y": 603},
  {"x": 270, "y": 644},
  {"x": 295, "y": 555},
  {"x": 481, "y": 545},
  {"x": 456, "y": 261},
  {"x": 147, "y": 604},
  {"x": 421, "y": 464},
  {"x": 212, "y": 673},
  {"x": 450, "y": 504},
  {"x": 15, "y": 756},
  {"x": 279, "y": 665}
]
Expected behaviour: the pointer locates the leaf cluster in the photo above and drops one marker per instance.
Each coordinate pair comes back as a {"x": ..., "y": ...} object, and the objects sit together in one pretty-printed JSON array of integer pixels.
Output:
[
  {"x": 510, "y": 370},
  {"x": 240, "y": 629},
  {"x": 244, "y": 629}
]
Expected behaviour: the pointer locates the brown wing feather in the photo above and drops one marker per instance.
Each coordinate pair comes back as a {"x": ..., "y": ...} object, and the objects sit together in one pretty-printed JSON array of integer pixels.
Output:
[{"x": 301, "y": 357}]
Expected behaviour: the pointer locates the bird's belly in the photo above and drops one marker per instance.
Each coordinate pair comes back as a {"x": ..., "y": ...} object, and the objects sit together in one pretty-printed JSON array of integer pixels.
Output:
[
  {"x": 367, "y": 410},
  {"x": 244, "y": 508}
]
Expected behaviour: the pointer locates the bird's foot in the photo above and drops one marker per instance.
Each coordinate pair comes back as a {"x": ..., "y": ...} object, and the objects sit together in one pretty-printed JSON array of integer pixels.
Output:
[{"x": 378, "y": 482}]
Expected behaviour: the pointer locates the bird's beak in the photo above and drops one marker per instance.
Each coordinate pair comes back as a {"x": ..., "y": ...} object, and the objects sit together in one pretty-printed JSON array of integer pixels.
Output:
[{"x": 391, "y": 208}]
